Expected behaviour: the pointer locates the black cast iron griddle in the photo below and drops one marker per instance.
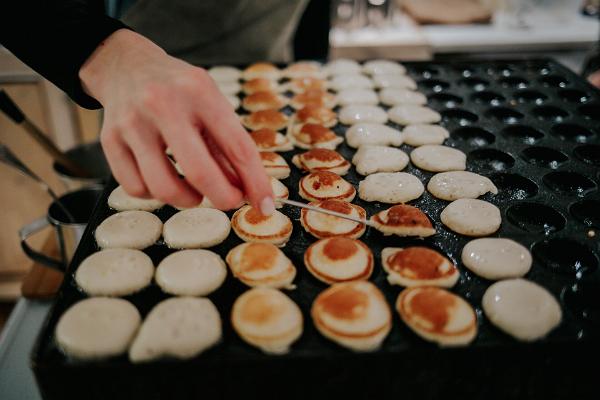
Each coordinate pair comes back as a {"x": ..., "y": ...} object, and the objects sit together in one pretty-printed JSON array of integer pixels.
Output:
[{"x": 532, "y": 127}]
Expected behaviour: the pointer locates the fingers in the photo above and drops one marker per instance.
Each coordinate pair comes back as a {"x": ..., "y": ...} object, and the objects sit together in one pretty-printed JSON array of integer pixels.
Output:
[{"x": 595, "y": 79}]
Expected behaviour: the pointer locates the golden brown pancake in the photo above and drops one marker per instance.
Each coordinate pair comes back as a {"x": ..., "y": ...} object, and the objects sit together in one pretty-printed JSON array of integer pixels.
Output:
[
  {"x": 275, "y": 165},
  {"x": 251, "y": 226},
  {"x": 280, "y": 191},
  {"x": 270, "y": 140},
  {"x": 403, "y": 220},
  {"x": 270, "y": 119},
  {"x": 418, "y": 266},
  {"x": 323, "y": 185},
  {"x": 301, "y": 85},
  {"x": 313, "y": 97},
  {"x": 264, "y": 100},
  {"x": 339, "y": 259},
  {"x": 261, "y": 265},
  {"x": 308, "y": 136},
  {"x": 260, "y": 85},
  {"x": 316, "y": 115},
  {"x": 437, "y": 315},
  {"x": 322, "y": 225},
  {"x": 321, "y": 160},
  {"x": 264, "y": 70}
]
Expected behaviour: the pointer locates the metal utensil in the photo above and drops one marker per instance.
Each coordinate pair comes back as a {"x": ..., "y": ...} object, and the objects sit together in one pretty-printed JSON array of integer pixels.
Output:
[{"x": 324, "y": 211}]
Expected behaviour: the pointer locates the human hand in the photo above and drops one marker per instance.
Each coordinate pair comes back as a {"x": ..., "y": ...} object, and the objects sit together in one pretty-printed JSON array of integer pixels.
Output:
[
  {"x": 594, "y": 78},
  {"x": 152, "y": 101}
]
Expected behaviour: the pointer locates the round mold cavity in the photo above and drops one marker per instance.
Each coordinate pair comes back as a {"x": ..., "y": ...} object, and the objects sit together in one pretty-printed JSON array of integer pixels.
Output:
[
  {"x": 501, "y": 69},
  {"x": 504, "y": 114},
  {"x": 589, "y": 153},
  {"x": 591, "y": 111},
  {"x": 445, "y": 99},
  {"x": 513, "y": 186},
  {"x": 535, "y": 218},
  {"x": 522, "y": 133},
  {"x": 489, "y": 160},
  {"x": 569, "y": 183},
  {"x": 488, "y": 97},
  {"x": 437, "y": 85},
  {"x": 474, "y": 83},
  {"x": 473, "y": 136},
  {"x": 572, "y": 133},
  {"x": 426, "y": 72},
  {"x": 583, "y": 300},
  {"x": 514, "y": 82},
  {"x": 464, "y": 71},
  {"x": 587, "y": 211},
  {"x": 544, "y": 156},
  {"x": 565, "y": 256},
  {"x": 530, "y": 96},
  {"x": 462, "y": 117},
  {"x": 574, "y": 95},
  {"x": 550, "y": 113},
  {"x": 554, "y": 81}
]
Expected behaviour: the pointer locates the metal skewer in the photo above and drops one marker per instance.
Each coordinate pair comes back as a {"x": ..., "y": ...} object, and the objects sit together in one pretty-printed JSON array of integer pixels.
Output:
[{"x": 324, "y": 211}]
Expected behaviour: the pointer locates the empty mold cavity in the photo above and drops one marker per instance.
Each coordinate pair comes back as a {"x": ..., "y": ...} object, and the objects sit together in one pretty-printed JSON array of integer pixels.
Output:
[
  {"x": 437, "y": 85},
  {"x": 591, "y": 111},
  {"x": 574, "y": 95},
  {"x": 514, "y": 82},
  {"x": 589, "y": 153},
  {"x": 501, "y": 69},
  {"x": 522, "y": 133},
  {"x": 445, "y": 99},
  {"x": 465, "y": 71},
  {"x": 513, "y": 187},
  {"x": 544, "y": 156},
  {"x": 473, "y": 136},
  {"x": 462, "y": 117},
  {"x": 583, "y": 300},
  {"x": 426, "y": 72},
  {"x": 488, "y": 97},
  {"x": 474, "y": 83},
  {"x": 530, "y": 96},
  {"x": 489, "y": 160},
  {"x": 550, "y": 113},
  {"x": 504, "y": 114},
  {"x": 588, "y": 212},
  {"x": 572, "y": 132},
  {"x": 565, "y": 256},
  {"x": 535, "y": 218},
  {"x": 569, "y": 183},
  {"x": 554, "y": 81}
]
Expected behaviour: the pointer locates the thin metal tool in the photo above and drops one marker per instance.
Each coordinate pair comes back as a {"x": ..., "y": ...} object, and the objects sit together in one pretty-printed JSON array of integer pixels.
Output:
[{"x": 324, "y": 211}]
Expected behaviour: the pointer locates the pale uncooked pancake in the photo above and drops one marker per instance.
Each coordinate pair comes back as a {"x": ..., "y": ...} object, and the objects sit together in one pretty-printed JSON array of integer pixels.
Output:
[
  {"x": 436, "y": 158},
  {"x": 358, "y": 113},
  {"x": 496, "y": 258},
  {"x": 315, "y": 114},
  {"x": 264, "y": 100},
  {"x": 119, "y": 200},
  {"x": 267, "y": 319},
  {"x": 322, "y": 225},
  {"x": 270, "y": 140},
  {"x": 303, "y": 69},
  {"x": 179, "y": 327},
  {"x": 471, "y": 217},
  {"x": 251, "y": 226},
  {"x": 310, "y": 136},
  {"x": 191, "y": 273},
  {"x": 322, "y": 185},
  {"x": 437, "y": 315},
  {"x": 224, "y": 73},
  {"x": 97, "y": 327},
  {"x": 321, "y": 160},
  {"x": 114, "y": 272},
  {"x": 314, "y": 97},
  {"x": 350, "y": 81},
  {"x": 196, "y": 228},
  {"x": 418, "y": 266},
  {"x": 357, "y": 96},
  {"x": 270, "y": 119},
  {"x": 419, "y": 135},
  {"x": 234, "y": 101},
  {"x": 339, "y": 259},
  {"x": 390, "y": 187},
  {"x": 353, "y": 314},
  {"x": 403, "y": 220},
  {"x": 229, "y": 88},
  {"x": 275, "y": 165},
  {"x": 374, "y": 134},
  {"x": 129, "y": 230},
  {"x": 378, "y": 67},
  {"x": 342, "y": 66},
  {"x": 460, "y": 185},
  {"x": 263, "y": 70},
  {"x": 522, "y": 309},
  {"x": 261, "y": 85},
  {"x": 394, "y": 81},
  {"x": 397, "y": 96},
  {"x": 410, "y": 114},
  {"x": 261, "y": 265},
  {"x": 370, "y": 159}
]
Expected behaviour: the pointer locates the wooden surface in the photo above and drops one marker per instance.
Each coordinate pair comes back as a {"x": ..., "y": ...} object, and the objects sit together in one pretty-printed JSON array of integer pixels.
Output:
[
  {"x": 447, "y": 11},
  {"x": 42, "y": 282}
]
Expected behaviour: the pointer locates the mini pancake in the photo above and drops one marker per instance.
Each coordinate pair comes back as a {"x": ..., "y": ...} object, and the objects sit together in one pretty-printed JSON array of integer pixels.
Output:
[
  {"x": 280, "y": 191},
  {"x": 437, "y": 315},
  {"x": 269, "y": 119},
  {"x": 403, "y": 220},
  {"x": 355, "y": 114},
  {"x": 342, "y": 66},
  {"x": 393, "y": 81},
  {"x": 418, "y": 266},
  {"x": 191, "y": 273},
  {"x": 308, "y": 136},
  {"x": 321, "y": 160},
  {"x": 263, "y": 70},
  {"x": 260, "y": 101},
  {"x": 114, "y": 272},
  {"x": 179, "y": 327},
  {"x": 370, "y": 159},
  {"x": 496, "y": 258},
  {"x": 224, "y": 73},
  {"x": 378, "y": 67},
  {"x": 437, "y": 158},
  {"x": 196, "y": 228},
  {"x": 339, "y": 259},
  {"x": 323, "y": 226},
  {"x": 355, "y": 96},
  {"x": 471, "y": 217},
  {"x": 234, "y": 101},
  {"x": 129, "y": 230},
  {"x": 373, "y": 134},
  {"x": 261, "y": 265},
  {"x": 261, "y": 85},
  {"x": 270, "y": 140},
  {"x": 420, "y": 135},
  {"x": 353, "y": 314},
  {"x": 312, "y": 114},
  {"x": 301, "y": 85},
  {"x": 121, "y": 201},
  {"x": 303, "y": 69},
  {"x": 410, "y": 114},
  {"x": 267, "y": 319},
  {"x": 460, "y": 185},
  {"x": 323, "y": 185},
  {"x": 97, "y": 327},
  {"x": 313, "y": 97},
  {"x": 390, "y": 187},
  {"x": 275, "y": 165},
  {"x": 350, "y": 81},
  {"x": 251, "y": 226},
  {"x": 522, "y": 309},
  {"x": 229, "y": 88},
  {"x": 397, "y": 96}
]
